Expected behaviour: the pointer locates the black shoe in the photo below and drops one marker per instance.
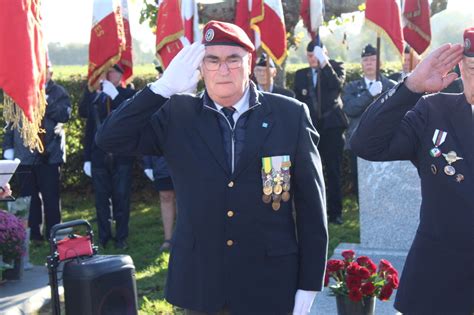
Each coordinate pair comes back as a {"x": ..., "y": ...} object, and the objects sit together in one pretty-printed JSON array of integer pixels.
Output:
[
  {"x": 122, "y": 244},
  {"x": 336, "y": 220}
]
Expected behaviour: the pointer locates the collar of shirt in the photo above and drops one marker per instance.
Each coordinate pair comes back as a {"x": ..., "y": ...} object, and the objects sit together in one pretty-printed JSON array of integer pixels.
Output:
[
  {"x": 260, "y": 88},
  {"x": 240, "y": 107},
  {"x": 367, "y": 82}
]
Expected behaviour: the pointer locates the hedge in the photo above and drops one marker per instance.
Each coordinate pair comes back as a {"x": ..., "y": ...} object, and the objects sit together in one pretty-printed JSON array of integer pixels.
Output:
[{"x": 73, "y": 177}]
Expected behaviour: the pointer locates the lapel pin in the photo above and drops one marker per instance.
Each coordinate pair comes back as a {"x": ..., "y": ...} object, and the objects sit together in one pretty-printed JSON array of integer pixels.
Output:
[
  {"x": 264, "y": 125},
  {"x": 434, "y": 170},
  {"x": 459, "y": 178}
]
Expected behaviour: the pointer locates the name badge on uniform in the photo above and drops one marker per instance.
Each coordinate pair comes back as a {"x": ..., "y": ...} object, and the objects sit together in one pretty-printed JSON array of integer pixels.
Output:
[{"x": 276, "y": 180}]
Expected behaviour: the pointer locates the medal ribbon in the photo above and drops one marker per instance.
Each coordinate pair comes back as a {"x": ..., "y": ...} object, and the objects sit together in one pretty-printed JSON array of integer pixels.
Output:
[{"x": 439, "y": 137}]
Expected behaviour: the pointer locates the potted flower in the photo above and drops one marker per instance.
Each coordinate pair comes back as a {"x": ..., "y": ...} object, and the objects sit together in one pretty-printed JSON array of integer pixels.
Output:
[
  {"x": 358, "y": 281},
  {"x": 12, "y": 237}
]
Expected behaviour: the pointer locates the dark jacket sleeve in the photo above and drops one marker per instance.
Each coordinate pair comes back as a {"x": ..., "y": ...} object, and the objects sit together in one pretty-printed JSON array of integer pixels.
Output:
[
  {"x": 147, "y": 162},
  {"x": 310, "y": 205},
  {"x": 133, "y": 128},
  {"x": 8, "y": 138},
  {"x": 334, "y": 75},
  {"x": 59, "y": 107},
  {"x": 390, "y": 129},
  {"x": 355, "y": 101}
]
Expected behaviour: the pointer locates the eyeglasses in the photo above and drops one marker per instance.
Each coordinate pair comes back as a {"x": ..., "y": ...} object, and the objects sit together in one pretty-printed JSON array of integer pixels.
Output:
[{"x": 214, "y": 64}]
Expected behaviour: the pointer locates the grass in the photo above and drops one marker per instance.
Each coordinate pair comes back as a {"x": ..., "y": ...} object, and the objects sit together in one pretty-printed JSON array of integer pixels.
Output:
[{"x": 146, "y": 236}]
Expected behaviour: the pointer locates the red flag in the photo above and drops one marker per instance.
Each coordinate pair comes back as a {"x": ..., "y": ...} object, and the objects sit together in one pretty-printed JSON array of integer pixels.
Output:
[
  {"x": 107, "y": 39},
  {"x": 311, "y": 12},
  {"x": 268, "y": 21},
  {"x": 23, "y": 67},
  {"x": 417, "y": 29},
  {"x": 169, "y": 31},
  {"x": 189, "y": 13},
  {"x": 126, "y": 60},
  {"x": 242, "y": 17},
  {"x": 384, "y": 17}
]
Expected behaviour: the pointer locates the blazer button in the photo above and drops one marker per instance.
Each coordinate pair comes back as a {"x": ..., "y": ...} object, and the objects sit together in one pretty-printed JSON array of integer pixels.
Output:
[
  {"x": 230, "y": 213},
  {"x": 230, "y": 243},
  {"x": 230, "y": 184}
]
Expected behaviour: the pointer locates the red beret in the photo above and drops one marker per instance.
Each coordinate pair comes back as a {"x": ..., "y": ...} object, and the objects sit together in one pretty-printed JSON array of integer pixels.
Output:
[
  {"x": 221, "y": 33},
  {"x": 469, "y": 42}
]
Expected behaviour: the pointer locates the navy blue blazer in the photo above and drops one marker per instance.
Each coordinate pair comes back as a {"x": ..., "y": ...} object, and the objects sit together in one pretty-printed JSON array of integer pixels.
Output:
[
  {"x": 438, "y": 275},
  {"x": 229, "y": 247}
]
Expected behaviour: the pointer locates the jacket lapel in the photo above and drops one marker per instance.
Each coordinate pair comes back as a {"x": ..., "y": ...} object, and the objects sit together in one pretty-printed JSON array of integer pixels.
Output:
[
  {"x": 208, "y": 128},
  {"x": 463, "y": 126},
  {"x": 259, "y": 125}
]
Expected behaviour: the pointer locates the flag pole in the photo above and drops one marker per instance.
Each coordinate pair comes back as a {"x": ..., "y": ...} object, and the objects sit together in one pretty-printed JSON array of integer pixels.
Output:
[{"x": 377, "y": 67}]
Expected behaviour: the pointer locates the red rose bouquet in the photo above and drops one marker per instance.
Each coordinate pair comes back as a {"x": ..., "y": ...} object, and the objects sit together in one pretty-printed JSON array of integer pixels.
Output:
[{"x": 359, "y": 277}]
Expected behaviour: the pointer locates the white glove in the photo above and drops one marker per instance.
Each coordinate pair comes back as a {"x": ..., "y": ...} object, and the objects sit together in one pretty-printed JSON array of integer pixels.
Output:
[
  {"x": 303, "y": 302},
  {"x": 149, "y": 174},
  {"x": 109, "y": 89},
  {"x": 87, "y": 168},
  {"x": 321, "y": 56},
  {"x": 9, "y": 154},
  {"x": 182, "y": 74},
  {"x": 375, "y": 88}
]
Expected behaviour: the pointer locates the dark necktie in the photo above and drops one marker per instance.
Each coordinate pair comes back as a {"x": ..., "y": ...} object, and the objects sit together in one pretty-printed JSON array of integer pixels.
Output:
[{"x": 229, "y": 112}]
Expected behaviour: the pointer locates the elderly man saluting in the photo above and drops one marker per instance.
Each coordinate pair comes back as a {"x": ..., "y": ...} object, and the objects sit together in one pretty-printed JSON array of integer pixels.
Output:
[
  {"x": 239, "y": 158},
  {"x": 436, "y": 133}
]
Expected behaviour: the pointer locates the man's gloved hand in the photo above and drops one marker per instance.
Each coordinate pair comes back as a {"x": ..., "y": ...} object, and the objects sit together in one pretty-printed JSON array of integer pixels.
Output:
[
  {"x": 149, "y": 174},
  {"x": 375, "y": 88},
  {"x": 303, "y": 302},
  {"x": 182, "y": 74},
  {"x": 9, "y": 154},
  {"x": 321, "y": 56},
  {"x": 87, "y": 168},
  {"x": 109, "y": 89}
]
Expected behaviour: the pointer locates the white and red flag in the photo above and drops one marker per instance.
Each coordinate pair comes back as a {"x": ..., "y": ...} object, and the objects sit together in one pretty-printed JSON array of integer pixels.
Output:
[
  {"x": 417, "y": 27},
  {"x": 312, "y": 13},
  {"x": 126, "y": 60},
  {"x": 268, "y": 21},
  {"x": 23, "y": 67},
  {"x": 384, "y": 16},
  {"x": 189, "y": 13},
  {"x": 107, "y": 41}
]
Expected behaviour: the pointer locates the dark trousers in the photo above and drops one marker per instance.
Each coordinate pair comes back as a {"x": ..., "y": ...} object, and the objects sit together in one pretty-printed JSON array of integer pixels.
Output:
[
  {"x": 331, "y": 145},
  {"x": 112, "y": 188},
  {"x": 41, "y": 182}
]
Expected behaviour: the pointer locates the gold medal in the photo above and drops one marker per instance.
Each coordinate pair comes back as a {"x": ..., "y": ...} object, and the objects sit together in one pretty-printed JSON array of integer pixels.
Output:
[
  {"x": 285, "y": 196},
  {"x": 266, "y": 198},
  {"x": 267, "y": 190},
  {"x": 277, "y": 189},
  {"x": 275, "y": 205}
]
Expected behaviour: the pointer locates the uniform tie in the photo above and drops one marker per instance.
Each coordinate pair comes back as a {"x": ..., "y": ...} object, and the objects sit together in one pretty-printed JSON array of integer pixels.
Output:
[{"x": 229, "y": 112}]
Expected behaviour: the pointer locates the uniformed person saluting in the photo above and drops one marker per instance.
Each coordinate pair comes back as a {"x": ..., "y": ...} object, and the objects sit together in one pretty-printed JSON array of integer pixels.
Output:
[
  {"x": 238, "y": 158},
  {"x": 436, "y": 133}
]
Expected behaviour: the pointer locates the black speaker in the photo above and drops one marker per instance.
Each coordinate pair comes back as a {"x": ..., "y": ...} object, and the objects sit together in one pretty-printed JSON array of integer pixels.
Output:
[{"x": 100, "y": 285}]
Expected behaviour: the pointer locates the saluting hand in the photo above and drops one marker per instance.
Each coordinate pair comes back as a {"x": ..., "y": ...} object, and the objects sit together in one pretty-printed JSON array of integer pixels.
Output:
[
  {"x": 182, "y": 74},
  {"x": 431, "y": 74}
]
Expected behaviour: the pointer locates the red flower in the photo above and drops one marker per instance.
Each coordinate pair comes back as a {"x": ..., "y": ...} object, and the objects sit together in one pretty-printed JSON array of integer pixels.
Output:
[
  {"x": 355, "y": 295},
  {"x": 348, "y": 254},
  {"x": 386, "y": 292},
  {"x": 353, "y": 282},
  {"x": 334, "y": 265},
  {"x": 368, "y": 289},
  {"x": 393, "y": 281},
  {"x": 364, "y": 273},
  {"x": 384, "y": 265},
  {"x": 326, "y": 279},
  {"x": 368, "y": 263},
  {"x": 353, "y": 269},
  {"x": 392, "y": 271}
]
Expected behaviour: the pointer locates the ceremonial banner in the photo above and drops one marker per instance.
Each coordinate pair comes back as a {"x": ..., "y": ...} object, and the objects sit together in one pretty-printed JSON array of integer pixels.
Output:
[
  {"x": 268, "y": 21},
  {"x": 190, "y": 15},
  {"x": 126, "y": 60},
  {"x": 417, "y": 28},
  {"x": 311, "y": 11},
  {"x": 169, "y": 31},
  {"x": 23, "y": 67},
  {"x": 107, "y": 41},
  {"x": 384, "y": 17},
  {"x": 242, "y": 16}
]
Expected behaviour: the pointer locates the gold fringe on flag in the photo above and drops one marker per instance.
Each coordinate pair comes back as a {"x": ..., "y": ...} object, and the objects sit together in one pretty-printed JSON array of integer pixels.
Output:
[{"x": 28, "y": 130}]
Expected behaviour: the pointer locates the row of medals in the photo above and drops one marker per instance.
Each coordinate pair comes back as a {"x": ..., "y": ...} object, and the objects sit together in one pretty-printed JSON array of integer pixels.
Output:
[
  {"x": 276, "y": 187},
  {"x": 450, "y": 157}
]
